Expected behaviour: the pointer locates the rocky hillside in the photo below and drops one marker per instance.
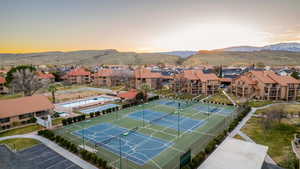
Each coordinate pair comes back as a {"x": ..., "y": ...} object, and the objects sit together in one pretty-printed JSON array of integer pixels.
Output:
[{"x": 88, "y": 57}]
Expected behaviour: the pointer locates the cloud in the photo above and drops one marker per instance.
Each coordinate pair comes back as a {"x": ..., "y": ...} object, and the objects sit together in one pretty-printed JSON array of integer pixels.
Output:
[{"x": 286, "y": 35}]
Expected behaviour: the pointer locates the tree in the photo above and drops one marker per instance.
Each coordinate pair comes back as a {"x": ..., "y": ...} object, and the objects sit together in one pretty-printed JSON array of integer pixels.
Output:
[
  {"x": 124, "y": 76},
  {"x": 139, "y": 97},
  {"x": 296, "y": 75},
  {"x": 271, "y": 116},
  {"x": 53, "y": 88},
  {"x": 180, "y": 84},
  {"x": 145, "y": 88},
  {"x": 24, "y": 79}
]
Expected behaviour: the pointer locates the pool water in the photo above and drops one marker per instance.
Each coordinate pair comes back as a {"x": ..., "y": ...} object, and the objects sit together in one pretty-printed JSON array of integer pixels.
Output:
[
  {"x": 99, "y": 108},
  {"x": 87, "y": 101}
]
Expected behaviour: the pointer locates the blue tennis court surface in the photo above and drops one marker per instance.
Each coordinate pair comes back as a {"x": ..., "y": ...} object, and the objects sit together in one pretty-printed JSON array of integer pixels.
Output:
[
  {"x": 99, "y": 108},
  {"x": 168, "y": 120},
  {"x": 172, "y": 103},
  {"x": 135, "y": 146}
]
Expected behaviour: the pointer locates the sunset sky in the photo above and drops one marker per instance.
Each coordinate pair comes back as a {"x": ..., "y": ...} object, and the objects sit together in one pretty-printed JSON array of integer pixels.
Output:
[{"x": 145, "y": 25}]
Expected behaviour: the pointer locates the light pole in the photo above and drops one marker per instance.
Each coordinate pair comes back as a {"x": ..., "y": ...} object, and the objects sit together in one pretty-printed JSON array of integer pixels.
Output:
[
  {"x": 178, "y": 127},
  {"x": 120, "y": 152},
  {"x": 83, "y": 138}
]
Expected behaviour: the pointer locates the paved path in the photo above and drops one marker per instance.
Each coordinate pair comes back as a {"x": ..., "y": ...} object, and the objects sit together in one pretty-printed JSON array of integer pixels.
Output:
[
  {"x": 68, "y": 155},
  {"x": 232, "y": 101}
]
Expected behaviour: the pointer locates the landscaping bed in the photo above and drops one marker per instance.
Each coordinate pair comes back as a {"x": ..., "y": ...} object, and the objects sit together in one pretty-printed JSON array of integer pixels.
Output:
[
  {"x": 21, "y": 130},
  {"x": 219, "y": 98},
  {"x": 259, "y": 103},
  {"x": 20, "y": 143}
]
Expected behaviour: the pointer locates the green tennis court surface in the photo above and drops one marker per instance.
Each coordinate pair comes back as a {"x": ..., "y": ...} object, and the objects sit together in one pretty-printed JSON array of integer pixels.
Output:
[{"x": 164, "y": 130}]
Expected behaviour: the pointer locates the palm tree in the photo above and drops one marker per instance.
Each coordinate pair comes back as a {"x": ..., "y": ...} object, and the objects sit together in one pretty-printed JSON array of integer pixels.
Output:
[
  {"x": 53, "y": 88},
  {"x": 145, "y": 88}
]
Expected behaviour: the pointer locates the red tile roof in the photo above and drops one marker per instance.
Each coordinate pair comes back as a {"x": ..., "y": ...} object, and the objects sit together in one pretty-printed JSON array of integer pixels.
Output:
[
  {"x": 25, "y": 105},
  {"x": 226, "y": 79},
  {"x": 128, "y": 95},
  {"x": 3, "y": 71},
  {"x": 199, "y": 75},
  {"x": 146, "y": 73},
  {"x": 78, "y": 72},
  {"x": 271, "y": 77},
  {"x": 247, "y": 80},
  {"x": 46, "y": 75},
  {"x": 104, "y": 73},
  {"x": 263, "y": 76},
  {"x": 2, "y": 80}
]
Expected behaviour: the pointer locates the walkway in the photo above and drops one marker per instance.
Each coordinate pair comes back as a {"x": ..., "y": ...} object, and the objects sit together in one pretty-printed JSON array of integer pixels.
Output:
[
  {"x": 68, "y": 155},
  {"x": 232, "y": 101}
]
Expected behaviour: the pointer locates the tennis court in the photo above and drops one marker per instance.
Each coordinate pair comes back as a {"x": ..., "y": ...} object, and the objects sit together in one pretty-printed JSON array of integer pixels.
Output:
[
  {"x": 135, "y": 146},
  {"x": 152, "y": 135},
  {"x": 210, "y": 108},
  {"x": 173, "y": 103},
  {"x": 167, "y": 120}
]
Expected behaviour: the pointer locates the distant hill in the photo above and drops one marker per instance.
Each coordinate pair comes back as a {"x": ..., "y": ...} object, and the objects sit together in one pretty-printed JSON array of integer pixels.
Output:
[
  {"x": 87, "y": 57},
  {"x": 290, "y": 47},
  {"x": 278, "y": 54},
  {"x": 182, "y": 54},
  {"x": 242, "y": 57}
]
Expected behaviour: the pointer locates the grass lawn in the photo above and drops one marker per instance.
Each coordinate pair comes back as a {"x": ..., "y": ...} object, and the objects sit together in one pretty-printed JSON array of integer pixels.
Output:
[
  {"x": 259, "y": 103},
  {"x": 57, "y": 121},
  {"x": 287, "y": 109},
  {"x": 220, "y": 98},
  {"x": 20, "y": 143},
  {"x": 238, "y": 137},
  {"x": 22, "y": 130},
  {"x": 277, "y": 138},
  {"x": 13, "y": 96}
]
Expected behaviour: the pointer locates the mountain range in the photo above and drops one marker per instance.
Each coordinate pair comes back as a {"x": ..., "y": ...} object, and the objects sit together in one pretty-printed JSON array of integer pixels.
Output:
[
  {"x": 180, "y": 53},
  {"x": 277, "y": 54},
  {"x": 291, "y": 47}
]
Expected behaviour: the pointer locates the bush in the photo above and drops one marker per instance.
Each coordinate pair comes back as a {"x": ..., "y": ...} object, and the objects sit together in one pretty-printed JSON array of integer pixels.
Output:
[{"x": 64, "y": 122}]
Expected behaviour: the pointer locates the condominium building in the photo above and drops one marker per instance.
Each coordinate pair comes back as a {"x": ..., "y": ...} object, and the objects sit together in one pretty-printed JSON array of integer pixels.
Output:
[
  {"x": 3, "y": 89},
  {"x": 196, "y": 82},
  {"x": 46, "y": 76},
  {"x": 27, "y": 108},
  {"x": 155, "y": 80},
  {"x": 113, "y": 77},
  {"x": 78, "y": 76},
  {"x": 265, "y": 85}
]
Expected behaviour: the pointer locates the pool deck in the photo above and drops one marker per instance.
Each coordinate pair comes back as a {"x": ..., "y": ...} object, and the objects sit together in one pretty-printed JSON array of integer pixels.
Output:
[{"x": 60, "y": 108}]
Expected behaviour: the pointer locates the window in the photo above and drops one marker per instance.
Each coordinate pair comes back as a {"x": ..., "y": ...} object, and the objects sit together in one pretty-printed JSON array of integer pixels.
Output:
[
  {"x": 24, "y": 116},
  {"x": 5, "y": 120}
]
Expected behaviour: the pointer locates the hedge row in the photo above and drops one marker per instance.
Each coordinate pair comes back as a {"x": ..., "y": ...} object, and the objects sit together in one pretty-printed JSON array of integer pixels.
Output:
[
  {"x": 153, "y": 98},
  {"x": 137, "y": 103},
  {"x": 98, "y": 113},
  {"x": 86, "y": 155},
  {"x": 73, "y": 119},
  {"x": 200, "y": 157}
]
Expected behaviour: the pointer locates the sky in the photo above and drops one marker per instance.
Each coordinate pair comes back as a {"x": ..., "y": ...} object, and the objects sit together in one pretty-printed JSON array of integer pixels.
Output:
[{"x": 145, "y": 25}]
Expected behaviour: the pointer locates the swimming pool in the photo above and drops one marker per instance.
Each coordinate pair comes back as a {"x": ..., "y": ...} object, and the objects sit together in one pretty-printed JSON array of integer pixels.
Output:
[
  {"x": 87, "y": 101},
  {"x": 100, "y": 108}
]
